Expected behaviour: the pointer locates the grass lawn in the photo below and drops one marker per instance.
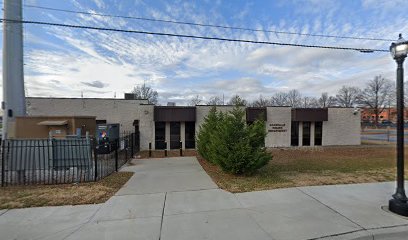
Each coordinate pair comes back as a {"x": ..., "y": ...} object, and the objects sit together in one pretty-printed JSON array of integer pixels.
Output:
[
  {"x": 292, "y": 167},
  {"x": 63, "y": 194}
]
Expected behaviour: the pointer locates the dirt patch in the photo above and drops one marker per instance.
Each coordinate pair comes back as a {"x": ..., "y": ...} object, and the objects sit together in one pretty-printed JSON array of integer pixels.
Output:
[{"x": 64, "y": 194}]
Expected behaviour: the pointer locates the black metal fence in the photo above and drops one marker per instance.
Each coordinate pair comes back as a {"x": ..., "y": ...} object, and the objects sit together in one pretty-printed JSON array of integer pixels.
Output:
[{"x": 59, "y": 161}]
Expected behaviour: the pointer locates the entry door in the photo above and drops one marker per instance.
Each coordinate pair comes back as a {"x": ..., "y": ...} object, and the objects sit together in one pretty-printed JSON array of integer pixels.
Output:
[{"x": 174, "y": 135}]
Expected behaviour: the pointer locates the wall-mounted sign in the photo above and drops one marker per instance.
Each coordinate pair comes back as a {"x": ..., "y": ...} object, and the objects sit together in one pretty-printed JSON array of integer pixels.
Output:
[{"x": 277, "y": 127}]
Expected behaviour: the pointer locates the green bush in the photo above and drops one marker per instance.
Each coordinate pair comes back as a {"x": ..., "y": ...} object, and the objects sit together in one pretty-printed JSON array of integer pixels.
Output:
[
  {"x": 206, "y": 131},
  {"x": 229, "y": 142}
]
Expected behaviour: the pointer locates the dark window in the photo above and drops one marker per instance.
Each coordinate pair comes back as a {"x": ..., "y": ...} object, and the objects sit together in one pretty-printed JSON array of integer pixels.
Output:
[
  {"x": 318, "y": 133},
  {"x": 190, "y": 135},
  {"x": 160, "y": 135},
  {"x": 174, "y": 135},
  {"x": 306, "y": 134},
  {"x": 294, "y": 133}
]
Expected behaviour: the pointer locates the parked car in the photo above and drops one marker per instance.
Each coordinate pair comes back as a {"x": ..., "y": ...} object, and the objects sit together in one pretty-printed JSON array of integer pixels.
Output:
[{"x": 386, "y": 123}]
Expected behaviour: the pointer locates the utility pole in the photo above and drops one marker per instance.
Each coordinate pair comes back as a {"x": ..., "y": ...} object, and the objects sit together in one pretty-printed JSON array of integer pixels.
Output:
[{"x": 14, "y": 103}]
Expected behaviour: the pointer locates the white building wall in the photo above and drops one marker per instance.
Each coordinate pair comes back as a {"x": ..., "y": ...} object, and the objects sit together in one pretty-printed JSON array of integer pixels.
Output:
[
  {"x": 342, "y": 127},
  {"x": 278, "y": 126}
]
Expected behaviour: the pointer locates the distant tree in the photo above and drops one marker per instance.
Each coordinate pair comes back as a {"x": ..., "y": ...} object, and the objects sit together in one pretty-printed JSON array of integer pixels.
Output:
[
  {"x": 375, "y": 96},
  {"x": 214, "y": 101},
  {"x": 236, "y": 100},
  {"x": 348, "y": 96},
  {"x": 309, "y": 102},
  {"x": 279, "y": 99},
  {"x": 294, "y": 98},
  {"x": 196, "y": 100},
  {"x": 326, "y": 101},
  {"x": 260, "y": 102},
  {"x": 146, "y": 92}
]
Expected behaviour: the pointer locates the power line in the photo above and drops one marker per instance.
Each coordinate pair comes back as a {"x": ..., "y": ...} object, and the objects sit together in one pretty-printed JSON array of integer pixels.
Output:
[
  {"x": 363, "y": 50},
  {"x": 209, "y": 25}
]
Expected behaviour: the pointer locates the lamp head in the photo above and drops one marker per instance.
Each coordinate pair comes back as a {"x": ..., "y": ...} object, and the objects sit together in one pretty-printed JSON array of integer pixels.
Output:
[{"x": 399, "y": 49}]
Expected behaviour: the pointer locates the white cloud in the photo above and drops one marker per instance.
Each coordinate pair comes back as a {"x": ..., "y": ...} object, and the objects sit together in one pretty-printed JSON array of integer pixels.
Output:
[
  {"x": 182, "y": 68},
  {"x": 99, "y": 3}
]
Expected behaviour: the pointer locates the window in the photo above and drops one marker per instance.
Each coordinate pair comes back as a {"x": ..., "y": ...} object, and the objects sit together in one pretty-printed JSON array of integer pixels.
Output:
[
  {"x": 306, "y": 134},
  {"x": 318, "y": 133},
  {"x": 294, "y": 134},
  {"x": 160, "y": 135},
  {"x": 175, "y": 135},
  {"x": 190, "y": 135}
]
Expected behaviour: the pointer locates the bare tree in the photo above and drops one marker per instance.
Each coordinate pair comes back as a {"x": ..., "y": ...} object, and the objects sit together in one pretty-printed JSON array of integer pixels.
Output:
[
  {"x": 309, "y": 102},
  {"x": 326, "y": 101},
  {"x": 146, "y": 92},
  {"x": 215, "y": 101},
  {"x": 348, "y": 96},
  {"x": 196, "y": 100},
  {"x": 375, "y": 95},
  {"x": 260, "y": 102},
  {"x": 236, "y": 100},
  {"x": 279, "y": 99},
  {"x": 294, "y": 98}
]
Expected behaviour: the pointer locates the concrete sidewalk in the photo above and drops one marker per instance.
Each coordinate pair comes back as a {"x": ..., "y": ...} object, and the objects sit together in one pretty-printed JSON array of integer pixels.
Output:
[{"x": 174, "y": 199}]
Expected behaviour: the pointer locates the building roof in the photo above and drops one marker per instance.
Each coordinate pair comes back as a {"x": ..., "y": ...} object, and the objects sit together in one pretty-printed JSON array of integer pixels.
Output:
[{"x": 53, "y": 123}]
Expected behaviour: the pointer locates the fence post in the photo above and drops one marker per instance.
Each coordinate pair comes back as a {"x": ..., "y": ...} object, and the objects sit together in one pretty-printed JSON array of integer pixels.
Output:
[
  {"x": 116, "y": 155},
  {"x": 150, "y": 149},
  {"x": 93, "y": 145},
  {"x": 165, "y": 149},
  {"x": 181, "y": 148},
  {"x": 2, "y": 163}
]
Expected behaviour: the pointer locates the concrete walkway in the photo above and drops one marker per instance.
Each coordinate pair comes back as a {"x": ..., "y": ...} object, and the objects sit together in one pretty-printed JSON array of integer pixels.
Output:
[{"x": 174, "y": 199}]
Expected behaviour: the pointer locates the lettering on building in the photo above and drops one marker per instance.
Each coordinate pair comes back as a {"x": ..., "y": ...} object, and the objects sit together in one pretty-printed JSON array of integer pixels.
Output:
[{"x": 277, "y": 127}]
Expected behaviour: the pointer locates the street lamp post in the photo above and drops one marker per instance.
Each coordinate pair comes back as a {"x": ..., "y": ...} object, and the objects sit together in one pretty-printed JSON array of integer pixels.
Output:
[{"x": 399, "y": 202}]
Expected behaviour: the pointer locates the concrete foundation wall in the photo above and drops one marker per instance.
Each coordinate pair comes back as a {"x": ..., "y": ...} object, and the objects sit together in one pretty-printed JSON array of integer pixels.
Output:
[
  {"x": 278, "y": 126},
  {"x": 342, "y": 127}
]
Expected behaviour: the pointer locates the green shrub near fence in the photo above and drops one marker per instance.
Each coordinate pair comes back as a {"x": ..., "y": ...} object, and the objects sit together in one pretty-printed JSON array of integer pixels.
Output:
[{"x": 226, "y": 140}]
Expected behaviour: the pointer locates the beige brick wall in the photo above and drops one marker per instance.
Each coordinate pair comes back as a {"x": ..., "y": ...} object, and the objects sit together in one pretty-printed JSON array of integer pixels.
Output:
[
  {"x": 342, "y": 127},
  {"x": 278, "y": 126},
  {"x": 202, "y": 112},
  {"x": 119, "y": 111}
]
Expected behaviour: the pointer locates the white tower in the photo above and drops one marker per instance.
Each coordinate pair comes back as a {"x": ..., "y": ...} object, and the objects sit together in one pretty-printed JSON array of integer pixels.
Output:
[{"x": 13, "y": 74}]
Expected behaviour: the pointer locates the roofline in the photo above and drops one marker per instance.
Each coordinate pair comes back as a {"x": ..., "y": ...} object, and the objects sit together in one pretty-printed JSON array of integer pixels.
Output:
[
  {"x": 183, "y": 107},
  {"x": 56, "y": 116},
  {"x": 86, "y": 98}
]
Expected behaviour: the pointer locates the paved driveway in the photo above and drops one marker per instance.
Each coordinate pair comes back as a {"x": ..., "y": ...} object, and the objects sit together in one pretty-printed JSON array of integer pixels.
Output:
[{"x": 174, "y": 199}]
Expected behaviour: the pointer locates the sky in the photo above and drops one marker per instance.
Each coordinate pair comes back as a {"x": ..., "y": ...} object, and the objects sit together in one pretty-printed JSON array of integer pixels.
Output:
[{"x": 66, "y": 62}]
